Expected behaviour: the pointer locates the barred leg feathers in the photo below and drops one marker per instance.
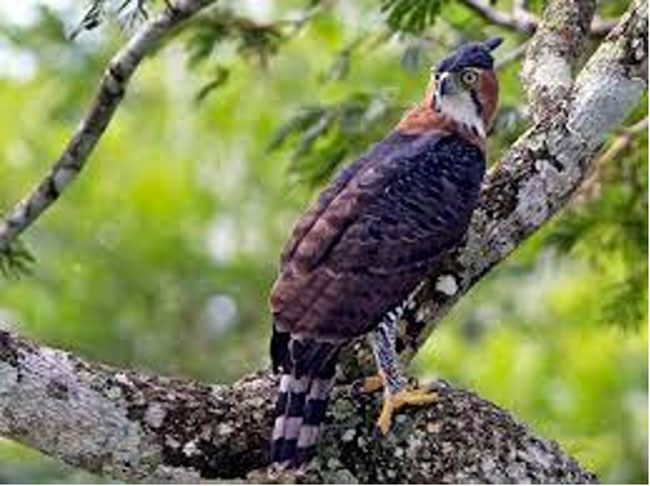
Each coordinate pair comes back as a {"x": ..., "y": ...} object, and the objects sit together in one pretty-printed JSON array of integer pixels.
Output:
[{"x": 302, "y": 401}]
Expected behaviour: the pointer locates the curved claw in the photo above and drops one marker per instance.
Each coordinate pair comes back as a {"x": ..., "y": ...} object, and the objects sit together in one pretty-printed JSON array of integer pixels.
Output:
[
  {"x": 367, "y": 385},
  {"x": 392, "y": 403}
]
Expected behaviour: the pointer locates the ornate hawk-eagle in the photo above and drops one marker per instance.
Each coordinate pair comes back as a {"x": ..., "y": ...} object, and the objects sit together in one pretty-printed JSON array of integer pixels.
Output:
[{"x": 369, "y": 239}]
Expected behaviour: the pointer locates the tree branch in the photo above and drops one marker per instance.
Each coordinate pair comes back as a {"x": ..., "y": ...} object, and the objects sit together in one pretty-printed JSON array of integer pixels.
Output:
[
  {"x": 590, "y": 189},
  {"x": 109, "y": 95},
  {"x": 135, "y": 427},
  {"x": 519, "y": 20},
  {"x": 547, "y": 165},
  {"x": 138, "y": 427},
  {"x": 623, "y": 141},
  {"x": 522, "y": 21},
  {"x": 547, "y": 71}
]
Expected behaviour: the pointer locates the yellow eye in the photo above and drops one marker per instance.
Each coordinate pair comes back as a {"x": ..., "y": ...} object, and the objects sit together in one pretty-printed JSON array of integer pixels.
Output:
[{"x": 469, "y": 77}]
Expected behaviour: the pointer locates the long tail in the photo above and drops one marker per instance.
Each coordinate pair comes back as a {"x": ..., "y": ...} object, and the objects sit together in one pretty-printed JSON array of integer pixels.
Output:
[{"x": 308, "y": 368}]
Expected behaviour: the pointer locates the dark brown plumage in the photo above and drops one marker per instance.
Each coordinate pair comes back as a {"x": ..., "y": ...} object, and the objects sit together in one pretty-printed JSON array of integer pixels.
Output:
[
  {"x": 373, "y": 235},
  {"x": 375, "y": 232}
]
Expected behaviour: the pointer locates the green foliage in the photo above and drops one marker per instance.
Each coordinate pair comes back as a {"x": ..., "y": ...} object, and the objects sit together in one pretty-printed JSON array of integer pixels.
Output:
[
  {"x": 326, "y": 135},
  {"x": 613, "y": 228},
  {"x": 219, "y": 25},
  {"x": 411, "y": 15},
  {"x": 128, "y": 13},
  {"x": 15, "y": 260},
  {"x": 161, "y": 255}
]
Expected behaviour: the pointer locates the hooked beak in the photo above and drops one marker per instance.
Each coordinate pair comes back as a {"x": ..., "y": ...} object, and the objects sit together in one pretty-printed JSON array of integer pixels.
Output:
[{"x": 443, "y": 86}]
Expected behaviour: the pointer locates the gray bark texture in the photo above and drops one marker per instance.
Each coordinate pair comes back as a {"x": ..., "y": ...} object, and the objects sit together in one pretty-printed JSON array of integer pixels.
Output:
[
  {"x": 130, "y": 426},
  {"x": 549, "y": 162},
  {"x": 135, "y": 427}
]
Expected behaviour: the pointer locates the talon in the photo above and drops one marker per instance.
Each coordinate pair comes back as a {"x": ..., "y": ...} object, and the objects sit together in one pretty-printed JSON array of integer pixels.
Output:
[
  {"x": 386, "y": 416},
  {"x": 417, "y": 398},
  {"x": 370, "y": 384}
]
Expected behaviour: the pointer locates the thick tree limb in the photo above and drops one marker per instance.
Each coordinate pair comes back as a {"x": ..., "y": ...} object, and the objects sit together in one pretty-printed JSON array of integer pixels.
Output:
[
  {"x": 547, "y": 71},
  {"x": 136, "y": 427},
  {"x": 546, "y": 166},
  {"x": 109, "y": 95}
]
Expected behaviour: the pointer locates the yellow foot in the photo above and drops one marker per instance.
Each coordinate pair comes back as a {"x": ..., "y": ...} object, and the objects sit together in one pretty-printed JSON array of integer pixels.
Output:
[
  {"x": 417, "y": 398},
  {"x": 370, "y": 384}
]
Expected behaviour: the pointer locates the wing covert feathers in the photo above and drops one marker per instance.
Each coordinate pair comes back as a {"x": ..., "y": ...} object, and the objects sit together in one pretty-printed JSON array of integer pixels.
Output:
[{"x": 374, "y": 233}]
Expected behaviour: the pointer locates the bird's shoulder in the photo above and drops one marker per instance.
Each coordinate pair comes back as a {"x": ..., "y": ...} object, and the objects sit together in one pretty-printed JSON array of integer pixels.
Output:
[
  {"x": 372, "y": 233},
  {"x": 355, "y": 185},
  {"x": 421, "y": 210}
]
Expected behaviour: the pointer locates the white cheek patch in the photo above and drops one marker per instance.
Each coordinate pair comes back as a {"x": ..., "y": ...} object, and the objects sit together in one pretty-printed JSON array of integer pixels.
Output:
[{"x": 461, "y": 108}]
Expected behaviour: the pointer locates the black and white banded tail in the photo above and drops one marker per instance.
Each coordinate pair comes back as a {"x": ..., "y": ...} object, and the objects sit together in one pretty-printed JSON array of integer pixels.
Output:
[{"x": 308, "y": 369}]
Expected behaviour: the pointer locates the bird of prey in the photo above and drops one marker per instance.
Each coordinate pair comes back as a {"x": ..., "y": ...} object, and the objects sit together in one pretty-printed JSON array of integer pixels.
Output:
[{"x": 370, "y": 238}]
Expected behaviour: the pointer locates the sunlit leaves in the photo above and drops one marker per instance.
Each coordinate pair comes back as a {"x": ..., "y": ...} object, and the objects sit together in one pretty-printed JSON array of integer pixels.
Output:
[
  {"x": 609, "y": 229},
  {"x": 251, "y": 40},
  {"x": 321, "y": 136},
  {"x": 128, "y": 13},
  {"x": 411, "y": 15},
  {"x": 219, "y": 78},
  {"x": 15, "y": 260}
]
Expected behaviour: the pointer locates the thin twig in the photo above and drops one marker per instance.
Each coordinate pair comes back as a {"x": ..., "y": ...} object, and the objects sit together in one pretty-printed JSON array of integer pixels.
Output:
[
  {"x": 502, "y": 19},
  {"x": 622, "y": 142},
  {"x": 109, "y": 95},
  {"x": 590, "y": 189},
  {"x": 525, "y": 22}
]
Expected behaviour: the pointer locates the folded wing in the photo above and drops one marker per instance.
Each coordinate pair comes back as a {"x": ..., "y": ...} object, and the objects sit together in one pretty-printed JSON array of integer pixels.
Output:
[{"x": 375, "y": 233}]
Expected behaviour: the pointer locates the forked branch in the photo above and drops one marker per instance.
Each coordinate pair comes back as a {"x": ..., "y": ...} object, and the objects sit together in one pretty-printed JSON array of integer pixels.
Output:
[{"x": 130, "y": 426}]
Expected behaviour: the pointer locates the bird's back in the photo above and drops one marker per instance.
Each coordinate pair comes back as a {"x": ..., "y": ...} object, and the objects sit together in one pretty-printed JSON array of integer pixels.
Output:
[{"x": 375, "y": 232}]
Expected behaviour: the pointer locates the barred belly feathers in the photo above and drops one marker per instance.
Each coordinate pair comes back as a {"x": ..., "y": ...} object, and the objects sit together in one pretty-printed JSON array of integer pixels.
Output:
[{"x": 375, "y": 232}]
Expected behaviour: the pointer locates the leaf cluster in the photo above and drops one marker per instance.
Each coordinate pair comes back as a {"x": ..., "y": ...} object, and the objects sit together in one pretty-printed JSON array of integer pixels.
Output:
[
  {"x": 411, "y": 15},
  {"x": 16, "y": 260},
  {"x": 128, "y": 13},
  {"x": 251, "y": 40},
  {"x": 322, "y": 135},
  {"x": 610, "y": 231}
]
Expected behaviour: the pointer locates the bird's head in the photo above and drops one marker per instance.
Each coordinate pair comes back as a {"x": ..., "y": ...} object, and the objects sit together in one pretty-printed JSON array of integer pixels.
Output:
[{"x": 465, "y": 88}]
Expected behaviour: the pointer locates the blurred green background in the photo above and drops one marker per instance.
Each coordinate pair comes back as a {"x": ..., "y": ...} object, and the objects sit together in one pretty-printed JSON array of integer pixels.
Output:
[{"x": 161, "y": 255}]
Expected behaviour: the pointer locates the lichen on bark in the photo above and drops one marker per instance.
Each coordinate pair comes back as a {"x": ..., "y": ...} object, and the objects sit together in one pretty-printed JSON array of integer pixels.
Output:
[{"x": 138, "y": 427}]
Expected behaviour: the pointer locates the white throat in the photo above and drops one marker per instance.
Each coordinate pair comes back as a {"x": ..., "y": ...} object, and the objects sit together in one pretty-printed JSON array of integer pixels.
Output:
[{"x": 461, "y": 108}]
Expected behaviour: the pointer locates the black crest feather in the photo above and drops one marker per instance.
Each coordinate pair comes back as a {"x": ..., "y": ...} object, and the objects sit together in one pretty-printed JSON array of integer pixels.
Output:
[
  {"x": 472, "y": 54},
  {"x": 493, "y": 43}
]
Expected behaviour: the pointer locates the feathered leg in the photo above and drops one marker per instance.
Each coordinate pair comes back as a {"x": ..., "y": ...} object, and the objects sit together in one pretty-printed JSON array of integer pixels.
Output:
[
  {"x": 308, "y": 369},
  {"x": 396, "y": 395}
]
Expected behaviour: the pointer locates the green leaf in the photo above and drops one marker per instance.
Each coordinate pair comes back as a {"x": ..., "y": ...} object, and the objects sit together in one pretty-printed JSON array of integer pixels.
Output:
[
  {"x": 16, "y": 260},
  {"x": 411, "y": 15}
]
